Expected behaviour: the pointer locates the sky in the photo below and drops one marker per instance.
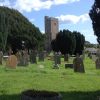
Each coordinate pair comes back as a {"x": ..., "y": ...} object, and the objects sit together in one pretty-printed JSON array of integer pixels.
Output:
[{"x": 72, "y": 14}]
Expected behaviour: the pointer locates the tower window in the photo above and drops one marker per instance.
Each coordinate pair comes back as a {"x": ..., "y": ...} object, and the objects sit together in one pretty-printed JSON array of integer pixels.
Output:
[{"x": 54, "y": 23}]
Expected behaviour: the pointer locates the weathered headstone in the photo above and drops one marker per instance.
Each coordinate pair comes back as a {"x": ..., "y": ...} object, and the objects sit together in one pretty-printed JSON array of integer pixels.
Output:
[
  {"x": 41, "y": 56},
  {"x": 78, "y": 64},
  {"x": 10, "y": 52},
  {"x": 19, "y": 58},
  {"x": 1, "y": 56},
  {"x": 56, "y": 61},
  {"x": 98, "y": 53},
  {"x": 90, "y": 55},
  {"x": 23, "y": 58},
  {"x": 66, "y": 56},
  {"x": 45, "y": 54},
  {"x": 5, "y": 57},
  {"x": 94, "y": 58},
  {"x": 33, "y": 55},
  {"x": 12, "y": 61},
  {"x": 83, "y": 55},
  {"x": 97, "y": 62}
]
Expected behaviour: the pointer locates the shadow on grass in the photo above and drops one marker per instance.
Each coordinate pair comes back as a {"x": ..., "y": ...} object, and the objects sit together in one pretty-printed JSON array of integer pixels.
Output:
[
  {"x": 65, "y": 96},
  {"x": 81, "y": 95},
  {"x": 10, "y": 97}
]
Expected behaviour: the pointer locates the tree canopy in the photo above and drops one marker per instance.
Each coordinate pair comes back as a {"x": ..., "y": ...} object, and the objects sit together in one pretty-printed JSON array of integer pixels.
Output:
[
  {"x": 80, "y": 42},
  {"x": 18, "y": 29},
  {"x": 54, "y": 45},
  {"x": 68, "y": 42},
  {"x": 64, "y": 42},
  {"x": 95, "y": 17}
]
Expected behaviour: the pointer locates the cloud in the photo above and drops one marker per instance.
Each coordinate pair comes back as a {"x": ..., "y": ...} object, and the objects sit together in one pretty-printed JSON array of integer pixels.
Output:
[
  {"x": 89, "y": 35},
  {"x": 5, "y": 3},
  {"x": 91, "y": 38},
  {"x": 31, "y": 19},
  {"x": 73, "y": 19},
  {"x": 58, "y": 2},
  {"x": 43, "y": 31},
  {"x": 29, "y": 5}
]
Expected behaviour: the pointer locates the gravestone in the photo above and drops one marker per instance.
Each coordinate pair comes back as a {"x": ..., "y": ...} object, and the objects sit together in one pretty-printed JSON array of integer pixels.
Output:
[
  {"x": 94, "y": 57},
  {"x": 19, "y": 58},
  {"x": 23, "y": 58},
  {"x": 90, "y": 55},
  {"x": 41, "y": 56},
  {"x": 1, "y": 56},
  {"x": 33, "y": 55},
  {"x": 97, "y": 62},
  {"x": 98, "y": 53},
  {"x": 45, "y": 54},
  {"x": 56, "y": 61},
  {"x": 5, "y": 57},
  {"x": 12, "y": 61},
  {"x": 10, "y": 52},
  {"x": 83, "y": 55},
  {"x": 78, "y": 64},
  {"x": 66, "y": 56}
]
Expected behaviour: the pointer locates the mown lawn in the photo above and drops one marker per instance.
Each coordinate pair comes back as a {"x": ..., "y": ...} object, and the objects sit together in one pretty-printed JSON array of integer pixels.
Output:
[{"x": 41, "y": 76}]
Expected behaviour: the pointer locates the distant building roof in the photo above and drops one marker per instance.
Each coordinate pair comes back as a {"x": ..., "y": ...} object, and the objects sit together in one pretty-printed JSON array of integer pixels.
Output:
[
  {"x": 87, "y": 42},
  {"x": 91, "y": 50}
]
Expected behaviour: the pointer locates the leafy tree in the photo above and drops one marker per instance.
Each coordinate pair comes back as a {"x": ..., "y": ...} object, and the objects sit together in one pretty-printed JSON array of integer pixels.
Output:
[
  {"x": 80, "y": 42},
  {"x": 20, "y": 29},
  {"x": 66, "y": 41},
  {"x": 95, "y": 17},
  {"x": 41, "y": 44},
  {"x": 54, "y": 45},
  {"x": 4, "y": 29}
]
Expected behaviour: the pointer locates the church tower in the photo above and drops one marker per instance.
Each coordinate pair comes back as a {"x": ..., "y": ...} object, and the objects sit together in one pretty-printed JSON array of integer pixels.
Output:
[{"x": 51, "y": 29}]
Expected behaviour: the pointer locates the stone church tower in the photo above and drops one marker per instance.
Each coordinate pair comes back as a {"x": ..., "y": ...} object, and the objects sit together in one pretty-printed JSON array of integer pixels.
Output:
[{"x": 51, "y": 29}]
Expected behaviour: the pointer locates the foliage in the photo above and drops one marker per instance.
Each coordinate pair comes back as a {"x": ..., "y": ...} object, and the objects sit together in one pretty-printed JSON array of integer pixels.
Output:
[
  {"x": 41, "y": 44},
  {"x": 20, "y": 29},
  {"x": 80, "y": 41},
  {"x": 95, "y": 17},
  {"x": 66, "y": 42},
  {"x": 4, "y": 29},
  {"x": 54, "y": 45}
]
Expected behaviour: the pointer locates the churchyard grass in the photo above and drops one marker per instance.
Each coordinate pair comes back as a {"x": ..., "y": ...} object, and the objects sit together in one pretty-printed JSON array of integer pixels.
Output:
[{"x": 41, "y": 76}]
